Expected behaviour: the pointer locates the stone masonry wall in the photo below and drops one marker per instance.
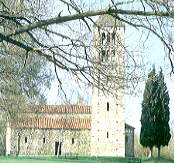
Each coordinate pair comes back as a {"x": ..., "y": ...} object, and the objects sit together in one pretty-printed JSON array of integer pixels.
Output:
[
  {"x": 108, "y": 125},
  {"x": 35, "y": 144},
  {"x": 107, "y": 128}
]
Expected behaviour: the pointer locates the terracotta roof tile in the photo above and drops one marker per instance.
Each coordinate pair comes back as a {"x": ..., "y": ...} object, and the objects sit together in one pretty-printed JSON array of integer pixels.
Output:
[
  {"x": 52, "y": 123},
  {"x": 61, "y": 109},
  {"x": 56, "y": 123}
]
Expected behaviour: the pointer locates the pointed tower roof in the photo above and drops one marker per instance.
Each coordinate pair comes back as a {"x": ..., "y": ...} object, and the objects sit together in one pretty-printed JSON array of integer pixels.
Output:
[{"x": 108, "y": 21}]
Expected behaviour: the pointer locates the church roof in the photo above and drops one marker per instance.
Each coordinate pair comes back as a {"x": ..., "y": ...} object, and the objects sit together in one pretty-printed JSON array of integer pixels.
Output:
[
  {"x": 46, "y": 122},
  {"x": 56, "y": 123},
  {"x": 53, "y": 123},
  {"x": 108, "y": 21},
  {"x": 61, "y": 109}
]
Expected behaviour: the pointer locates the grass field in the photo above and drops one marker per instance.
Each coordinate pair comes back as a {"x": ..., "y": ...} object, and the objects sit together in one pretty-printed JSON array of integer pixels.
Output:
[{"x": 74, "y": 160}]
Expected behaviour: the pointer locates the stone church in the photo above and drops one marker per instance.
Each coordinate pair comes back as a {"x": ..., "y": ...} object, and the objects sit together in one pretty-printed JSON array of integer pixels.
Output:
[{"x": 96, "y": 130}]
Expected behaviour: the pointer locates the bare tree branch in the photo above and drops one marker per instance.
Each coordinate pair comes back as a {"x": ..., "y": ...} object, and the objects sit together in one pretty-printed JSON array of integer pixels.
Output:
[{"x": 63, "y": 19}]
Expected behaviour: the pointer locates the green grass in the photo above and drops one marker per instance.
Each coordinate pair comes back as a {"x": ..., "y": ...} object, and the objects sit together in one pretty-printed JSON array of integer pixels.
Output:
[
  {"x": 4, "y": 159},
  {"x": 162, "y": 160}
]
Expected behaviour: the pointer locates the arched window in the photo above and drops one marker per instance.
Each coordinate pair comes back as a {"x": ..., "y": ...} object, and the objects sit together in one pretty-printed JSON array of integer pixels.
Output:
[
  {"x": 103, "y": 55},
  {"x": 103, "y": 37},
  {"x": 107, "y": 106},
  {"x": 113, "y": 52},
  {"x": 72, "y": 140},
  {"x": 113, "y": 37},
  {"x": 108, "y": 37},
  {"x": 107, "y": 55},
  {"x": 113, "y": 57},
  {"x": 107, "y": 135},
  {"x": 25, "y": 139},
  {"x": 44, "y": 140}
]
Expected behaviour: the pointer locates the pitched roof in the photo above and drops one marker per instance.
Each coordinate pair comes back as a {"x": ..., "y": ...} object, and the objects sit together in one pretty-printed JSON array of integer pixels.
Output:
[
  {"x": 108, "y": 21},
  {"x": 56, "y": 123},
  {"x": 53, "y": 123},
  {"x": 61, "y": 109},
  {"x": 129, "y": 126}
]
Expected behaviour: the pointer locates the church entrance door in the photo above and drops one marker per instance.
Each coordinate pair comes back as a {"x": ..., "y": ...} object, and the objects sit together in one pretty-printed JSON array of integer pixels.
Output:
[{"x": 58, "y": 148}]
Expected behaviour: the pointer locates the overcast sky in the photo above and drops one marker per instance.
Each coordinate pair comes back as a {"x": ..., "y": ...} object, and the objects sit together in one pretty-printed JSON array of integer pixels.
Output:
[{"x": 152, "y": 53}]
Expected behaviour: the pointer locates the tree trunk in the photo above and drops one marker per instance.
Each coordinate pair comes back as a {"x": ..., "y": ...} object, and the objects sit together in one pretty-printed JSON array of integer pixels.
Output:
[
  {"x": 2, "y": 143},
  {"x": 151, "y": 152},
  {"x": 18, "y": 144},
  {"x": 159, "y": 149}
]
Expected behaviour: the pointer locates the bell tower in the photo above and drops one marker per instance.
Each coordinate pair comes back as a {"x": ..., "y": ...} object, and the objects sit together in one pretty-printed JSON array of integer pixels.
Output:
[{"x": 108, "y": 124}]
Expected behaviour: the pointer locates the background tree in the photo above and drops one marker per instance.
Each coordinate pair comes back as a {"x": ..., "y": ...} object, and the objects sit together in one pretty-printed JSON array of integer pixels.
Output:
[
  {"x": 21, "y": 85},
  {"x": 20, "y": 78},
  {"x": 147, "y": 135},
  {"x": 50, "y": 27},
  {"x": 22, "y": 81},
  {"x": 2, "y": 132},
  {"x": 162, "y": 115}
]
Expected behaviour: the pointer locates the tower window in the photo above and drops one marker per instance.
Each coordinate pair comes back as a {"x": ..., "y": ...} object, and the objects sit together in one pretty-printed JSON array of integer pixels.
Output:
[
  {"x": 107, "y": 135},
  {"x": 107, "y": 106},
  {"x": 113, "y": 58},
  {"x": 44, "y": 140},
  {"x": 108, "y": 37},
  {"x": 113, "y": 52},
  {"x": 103, "y": 37},
  {"x": 25, "y": 139},
  {"x": 72, "y": 140},
  {"x": 113, "y": 37},
  {"x": 107, "y": 55},
  {"x": 103, "y": 55}
]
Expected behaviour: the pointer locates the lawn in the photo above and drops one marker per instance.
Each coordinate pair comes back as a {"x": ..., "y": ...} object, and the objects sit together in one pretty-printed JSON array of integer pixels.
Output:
[{"x": 74, "y": 160}]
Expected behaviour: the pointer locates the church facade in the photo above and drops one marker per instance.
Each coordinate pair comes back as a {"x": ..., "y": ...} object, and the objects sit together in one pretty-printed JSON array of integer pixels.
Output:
[
  {"x": 62, "y": 130},
  {"x": 96, "y": 130}
]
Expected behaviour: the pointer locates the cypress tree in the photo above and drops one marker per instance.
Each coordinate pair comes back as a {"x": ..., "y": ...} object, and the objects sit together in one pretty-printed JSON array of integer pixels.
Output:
[
  {"x": 147, "y": 135},
  {"x": 155, "y": 130},
  {"x": 162, "y": 129}
]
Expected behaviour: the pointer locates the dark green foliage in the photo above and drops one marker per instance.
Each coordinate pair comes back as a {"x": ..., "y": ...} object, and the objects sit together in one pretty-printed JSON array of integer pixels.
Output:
[
  {"x": 162, "y": 113},
  {"x": 155, "y": 130},
  {"x": 147, "y": 129}
]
